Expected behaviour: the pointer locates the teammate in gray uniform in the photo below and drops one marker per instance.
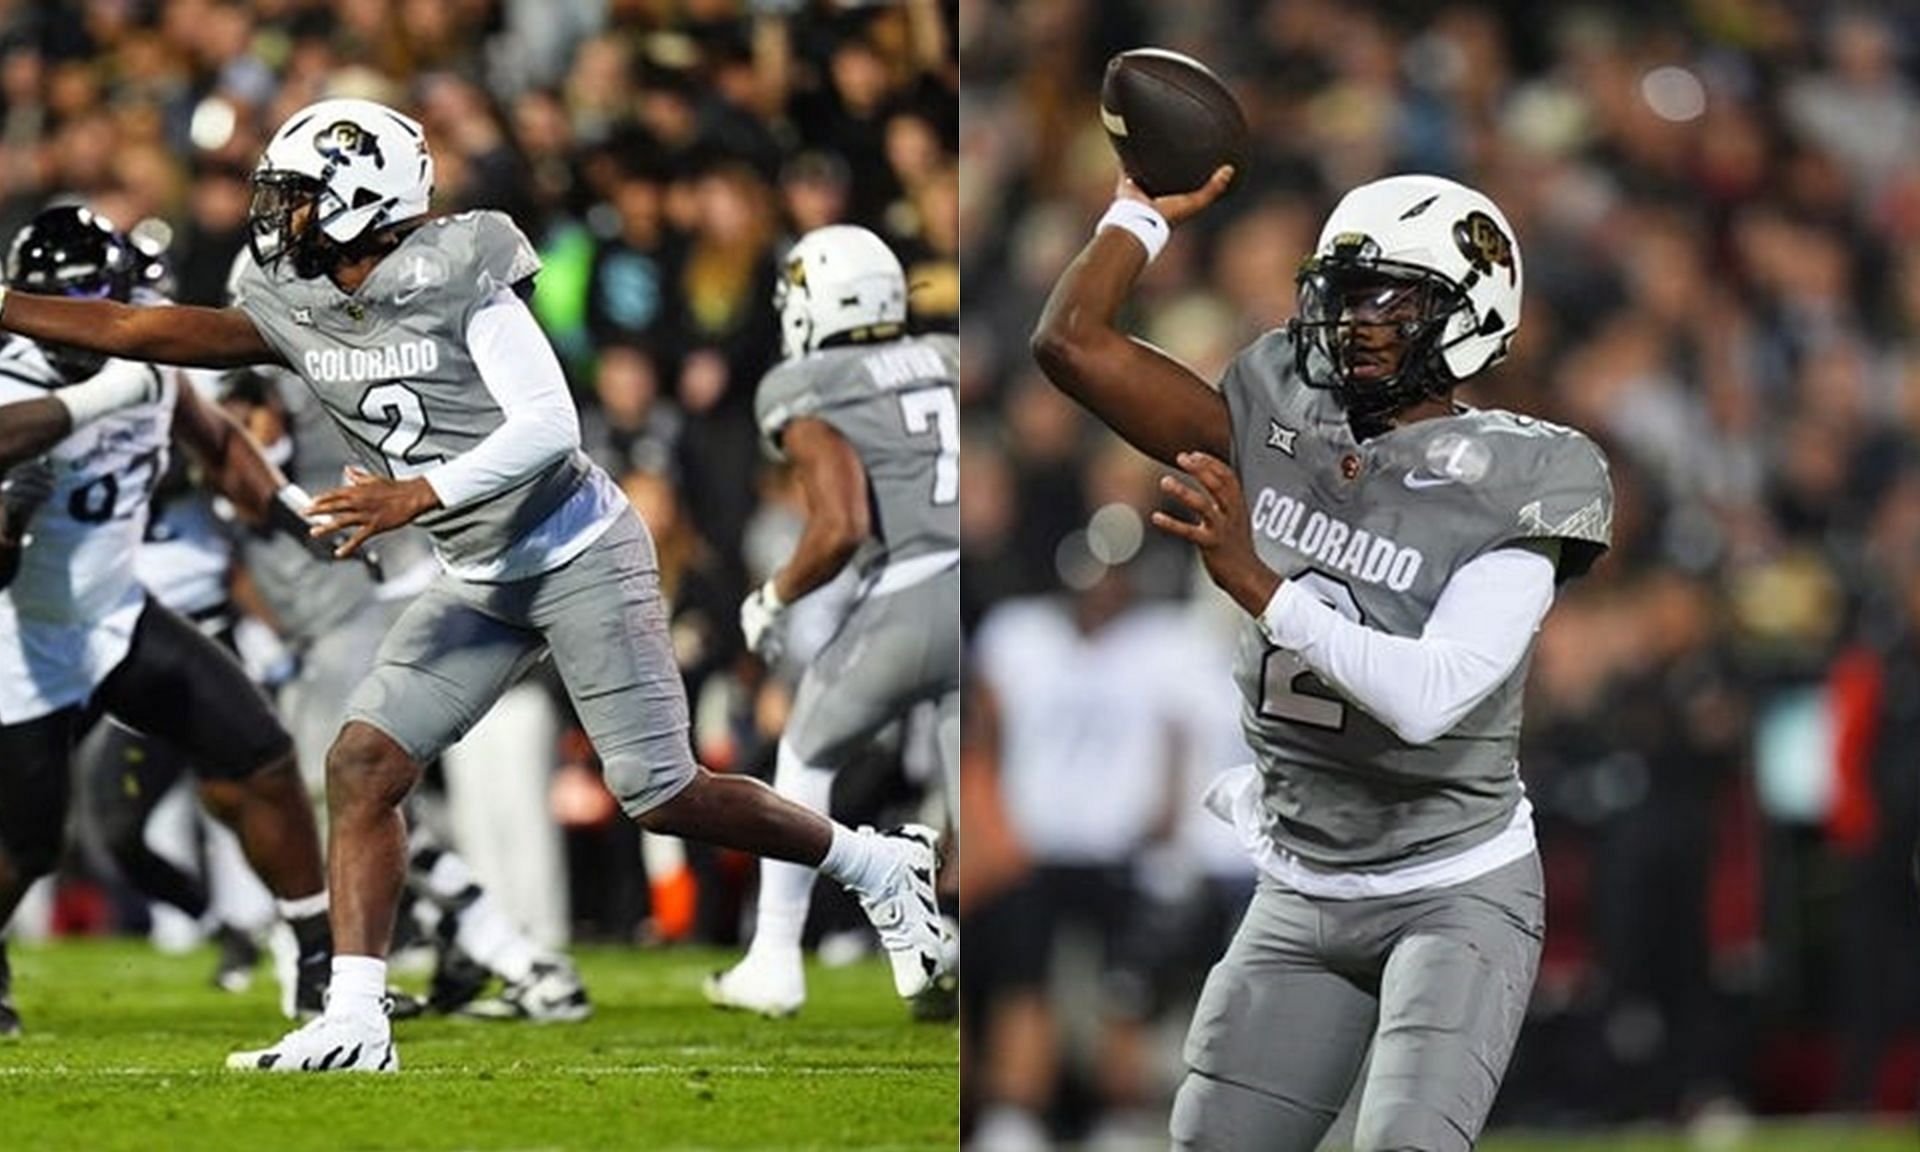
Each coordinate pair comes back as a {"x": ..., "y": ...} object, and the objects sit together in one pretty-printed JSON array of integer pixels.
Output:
[
  {"x": 1395, "y": 553},
  {"x": 870, "y": 419},
  {"x": 413, "y": 335}
]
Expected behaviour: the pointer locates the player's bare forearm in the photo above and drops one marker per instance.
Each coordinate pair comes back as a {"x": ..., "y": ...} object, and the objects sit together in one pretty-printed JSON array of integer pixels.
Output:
[
  {"x": 837, "y": 513},
  {"x": 232, "y": 462},
  {"x": 30, "y": 427},
  {"x": 1153, "y": 401},
  {"x": 165, "y": 334}
]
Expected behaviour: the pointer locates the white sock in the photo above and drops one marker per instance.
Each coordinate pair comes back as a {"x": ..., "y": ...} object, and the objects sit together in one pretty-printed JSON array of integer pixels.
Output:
[
  {"x": 358, "y": 987},
  {"x": 858, "y": 860},
  {"x": 305, "y": 906},
  {"x": 786, "y": 889},
  {"x": 488, "y": 936}
]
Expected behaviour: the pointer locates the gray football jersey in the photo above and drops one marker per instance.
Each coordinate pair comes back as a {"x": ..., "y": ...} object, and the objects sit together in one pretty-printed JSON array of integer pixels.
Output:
[
  {"x": 897, "y": 404},
  {"x": 1376, "y": 529},
  {"x": 390, "y": 364}
]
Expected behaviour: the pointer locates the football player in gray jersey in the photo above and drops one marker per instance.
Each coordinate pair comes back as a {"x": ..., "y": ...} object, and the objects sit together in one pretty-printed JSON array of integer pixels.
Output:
[
  {"x": 869, "y": 416},
  {"x": 1395, "y": 552},
  {"x": 413, "y": 334},
  {"x": 333, "y": 617}
]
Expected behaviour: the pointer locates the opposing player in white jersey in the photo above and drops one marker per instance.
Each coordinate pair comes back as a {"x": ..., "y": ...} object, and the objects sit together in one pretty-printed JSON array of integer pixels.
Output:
[
  {"x": 869, "y": 416},
  {"x": 412, "y": 334},
  {"x": 89, "y": 437},
  {"x": 1394, "y": 552}
]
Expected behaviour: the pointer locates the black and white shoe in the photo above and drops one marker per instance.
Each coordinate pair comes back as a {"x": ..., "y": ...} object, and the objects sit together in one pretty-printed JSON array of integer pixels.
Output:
[
  {"x": 326, "y": 1044},
  {"x": 905, "y": 912},
  {"x": 457, "y": 977},
  {"x": 551, "y": 993}
]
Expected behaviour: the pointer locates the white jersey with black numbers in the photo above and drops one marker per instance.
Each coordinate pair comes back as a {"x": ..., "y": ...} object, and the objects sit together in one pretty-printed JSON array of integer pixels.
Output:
[
  {"x": 392, "y": 365},
  {"x": 67, "y": 618},
  {"x": 1376, "y": 529}
]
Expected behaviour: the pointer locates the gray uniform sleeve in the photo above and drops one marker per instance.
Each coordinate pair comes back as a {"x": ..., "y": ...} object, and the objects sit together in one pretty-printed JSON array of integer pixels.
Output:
[
  {"x": 1562, "y": 491},
  {"x": 785, "y": 394},
  {"x": 503, "y": 257}
]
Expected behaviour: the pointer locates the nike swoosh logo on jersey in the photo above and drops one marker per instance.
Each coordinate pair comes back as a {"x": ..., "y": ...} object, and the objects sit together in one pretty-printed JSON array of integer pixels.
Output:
[
  {"x": 1419, "y": 480},
  {"x": 404, "y": 298}
]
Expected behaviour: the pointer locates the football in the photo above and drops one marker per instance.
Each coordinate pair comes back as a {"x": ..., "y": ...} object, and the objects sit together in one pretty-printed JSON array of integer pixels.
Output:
[{"x": 1171, "y": 120}]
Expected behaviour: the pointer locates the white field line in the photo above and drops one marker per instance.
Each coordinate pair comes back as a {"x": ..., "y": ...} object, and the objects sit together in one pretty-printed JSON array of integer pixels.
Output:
[{"x": 517, "y": 1071}]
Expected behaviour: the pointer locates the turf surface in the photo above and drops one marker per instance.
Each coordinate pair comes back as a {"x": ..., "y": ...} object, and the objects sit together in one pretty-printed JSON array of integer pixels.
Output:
[{"x": 124, "y": 1050}]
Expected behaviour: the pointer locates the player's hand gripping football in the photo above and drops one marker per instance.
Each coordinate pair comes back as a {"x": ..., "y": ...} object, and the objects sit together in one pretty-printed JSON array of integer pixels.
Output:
[
  {"x": 1181, "y": 205},
  {"x": 1223, "y": 533},
  {"x": 367, "y": 506}
]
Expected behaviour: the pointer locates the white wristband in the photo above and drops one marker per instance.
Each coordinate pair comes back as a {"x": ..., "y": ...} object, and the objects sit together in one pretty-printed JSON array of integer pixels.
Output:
[
  {"x": 1142, "y": 220},
  {"x": 770, "y": 596},
  {"x": 106, "y": 393}
]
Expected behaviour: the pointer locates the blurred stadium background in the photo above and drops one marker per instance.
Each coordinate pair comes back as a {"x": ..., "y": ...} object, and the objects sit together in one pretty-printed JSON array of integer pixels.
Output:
[
  {"x": 1718, "y": 202},
  {"x": 661, "y": 154}
]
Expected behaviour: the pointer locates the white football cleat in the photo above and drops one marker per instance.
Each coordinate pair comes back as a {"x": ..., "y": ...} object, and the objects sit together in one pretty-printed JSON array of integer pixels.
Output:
[
  {"x": 327, "y": 1044},
  {"x": 905, "y": 912},
  {"x": 773, "y": 988}
]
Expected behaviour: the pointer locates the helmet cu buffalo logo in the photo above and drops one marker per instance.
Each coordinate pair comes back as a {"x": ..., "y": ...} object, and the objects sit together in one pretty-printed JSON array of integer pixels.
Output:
[
  {"x": 342, "y": 140},
  {"x": 1484, "y": 245}
]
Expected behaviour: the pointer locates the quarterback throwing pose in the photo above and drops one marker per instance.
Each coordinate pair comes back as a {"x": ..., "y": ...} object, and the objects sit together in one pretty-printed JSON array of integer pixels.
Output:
[
  {"x": 1395, "y": 553},
  {"x": 870, "y": 418},
  {"x": 411, "y": 332}
]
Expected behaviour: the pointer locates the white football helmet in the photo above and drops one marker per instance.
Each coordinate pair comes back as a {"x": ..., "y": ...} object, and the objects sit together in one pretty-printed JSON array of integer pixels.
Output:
[
  {"x": 839, "y": 281},
  {"x": 361, "y": 165},
  {"x": 1435, "y": 260}
]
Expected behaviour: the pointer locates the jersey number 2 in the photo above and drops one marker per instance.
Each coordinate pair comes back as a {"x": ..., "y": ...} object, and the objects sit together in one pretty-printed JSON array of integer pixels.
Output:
[
  {"x": 1291, "y": 691},
  {"x": 399, "y": 408},
  {"x": 934, "y": 410}
]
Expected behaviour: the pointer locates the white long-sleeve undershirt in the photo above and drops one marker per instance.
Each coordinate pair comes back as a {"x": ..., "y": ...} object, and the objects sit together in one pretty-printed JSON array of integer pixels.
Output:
[
  {"x": 1420, "y": 687},
  {"x": 523, "y": 376}
]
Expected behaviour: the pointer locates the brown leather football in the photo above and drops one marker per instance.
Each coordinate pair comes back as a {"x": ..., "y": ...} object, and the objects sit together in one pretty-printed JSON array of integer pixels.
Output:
[{"x": 1171, "y": 120}]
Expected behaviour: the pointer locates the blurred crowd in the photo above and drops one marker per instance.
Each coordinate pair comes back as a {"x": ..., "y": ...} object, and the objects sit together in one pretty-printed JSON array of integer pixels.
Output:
[
  {"x": 1717, "y": 202},
  {"x": 661, "y": 155}
]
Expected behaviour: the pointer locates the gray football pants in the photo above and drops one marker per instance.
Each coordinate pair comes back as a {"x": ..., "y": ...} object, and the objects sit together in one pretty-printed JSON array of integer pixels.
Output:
[
  {"x": 1436, "y": 982},
  {"x": 461, "y": 644},
  {"x": 892, "y": 652}
]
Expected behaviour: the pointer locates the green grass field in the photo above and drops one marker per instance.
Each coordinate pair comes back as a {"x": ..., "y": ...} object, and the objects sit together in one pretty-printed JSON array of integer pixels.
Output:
[{"x": 124, "y": 1050}]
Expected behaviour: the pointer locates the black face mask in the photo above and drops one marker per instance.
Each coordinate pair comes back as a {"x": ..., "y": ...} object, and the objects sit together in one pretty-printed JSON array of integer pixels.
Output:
[
  {"x": 1369, "y": 331},
  {"x": 278, "y": 198}
]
